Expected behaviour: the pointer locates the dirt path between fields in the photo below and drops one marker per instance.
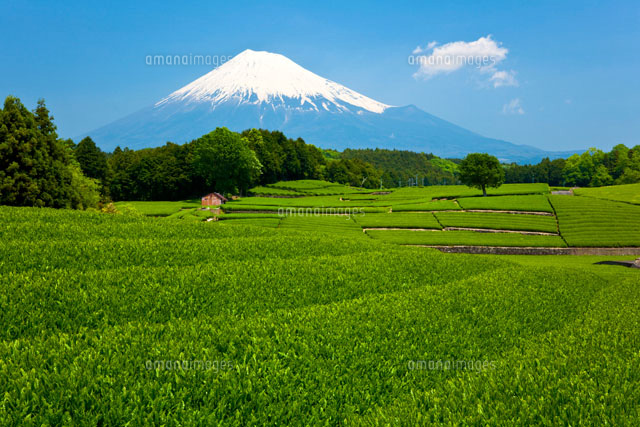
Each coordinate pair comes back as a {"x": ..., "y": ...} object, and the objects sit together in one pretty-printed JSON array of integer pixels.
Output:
[
  {"x": 563, "y": 192},
  {"x": 282, "y": 214},
  {"x": 482, "y": 210},
  {"x": 511, "y": 212},
  {"x": 400, "y": 228},
  {"x": 479, "y": 230},
  {"x": 495, "y": 230},
  {"x": 514, "y": 250}
]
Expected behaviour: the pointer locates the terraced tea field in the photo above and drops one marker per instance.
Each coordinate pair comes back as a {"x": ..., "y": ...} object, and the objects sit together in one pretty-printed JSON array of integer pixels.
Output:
[
  {"x": 465, "y": 238},
  {"x": 629, "y": 193},
  {"x": 575, "y": 221},
  {"x": 437, "y": 205},
  {"x": 305, "y": 187},
  {"x": 398, "y": 220},
  {"x": 159, "y": 208},
  {"x": 498, "y": 221},
  {"x": 343, "y": 225},
  {"x": 535, "y": 203},
  {"x": 126, "y": 320},
  {"x": 586, "y": 221}
]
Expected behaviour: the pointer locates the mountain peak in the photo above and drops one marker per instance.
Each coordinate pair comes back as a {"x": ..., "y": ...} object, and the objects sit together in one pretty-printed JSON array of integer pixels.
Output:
[
  {"x": 257, "y": 77},
  {"x": 258, "y": 89}
]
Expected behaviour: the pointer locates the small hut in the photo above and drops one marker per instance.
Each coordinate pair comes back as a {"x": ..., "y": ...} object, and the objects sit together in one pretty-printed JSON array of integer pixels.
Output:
[{"x": 213, "y": 199}]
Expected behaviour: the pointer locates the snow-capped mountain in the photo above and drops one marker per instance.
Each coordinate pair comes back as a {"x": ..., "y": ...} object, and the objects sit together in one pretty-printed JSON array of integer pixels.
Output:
[
  {"x": 268, "y": 90},
  {"x": 269, "y": 78}
]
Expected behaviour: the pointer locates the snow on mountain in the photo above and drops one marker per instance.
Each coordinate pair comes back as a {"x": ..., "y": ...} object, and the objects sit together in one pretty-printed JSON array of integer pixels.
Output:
[
  {"x": 269, "y": 91},
  {"x": 264, "y": 77}
]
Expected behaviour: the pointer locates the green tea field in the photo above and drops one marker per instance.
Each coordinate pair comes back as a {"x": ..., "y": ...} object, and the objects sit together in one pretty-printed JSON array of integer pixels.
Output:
[
  {"x": 295, "y": 213},
  {"x": 182, "y": 316},
  {"x": 521, "y": 215}
]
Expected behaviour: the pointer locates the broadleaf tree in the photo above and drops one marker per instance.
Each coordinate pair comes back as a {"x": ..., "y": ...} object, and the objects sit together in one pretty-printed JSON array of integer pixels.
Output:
[
  {"x": 479, "y": 170},
  {"x": 226, "y": 163}
]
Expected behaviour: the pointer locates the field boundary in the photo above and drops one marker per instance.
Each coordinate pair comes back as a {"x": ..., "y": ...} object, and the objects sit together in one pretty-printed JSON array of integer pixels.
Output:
[
  {"x": 555, "y": 214},
  {"x": 510, "y": 212},
  {"x": 275, "y": 212},
  {"x": 526, "y": 250},
  {"x": 482, "y": 211},
  {"x": 365, "y": 229},
  {"x": 608, "y": 200},
  {"x": 497, "y": 230}
]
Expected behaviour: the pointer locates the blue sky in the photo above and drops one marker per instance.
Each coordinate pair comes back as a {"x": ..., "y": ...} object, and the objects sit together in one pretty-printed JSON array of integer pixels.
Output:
[{"x": 569, "y": 69}]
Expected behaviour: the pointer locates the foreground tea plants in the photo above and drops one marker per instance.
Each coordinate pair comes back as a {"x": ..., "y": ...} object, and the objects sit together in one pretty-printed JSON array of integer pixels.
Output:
[{"x": 116, "y": 320}]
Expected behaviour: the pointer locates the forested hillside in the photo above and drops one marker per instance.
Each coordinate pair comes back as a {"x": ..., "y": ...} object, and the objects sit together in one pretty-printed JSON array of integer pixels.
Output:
[{"x": 40, "y": 169}]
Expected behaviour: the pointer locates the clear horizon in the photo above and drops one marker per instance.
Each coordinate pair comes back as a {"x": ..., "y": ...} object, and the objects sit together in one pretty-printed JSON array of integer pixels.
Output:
[{"x": 561, "y": 77}]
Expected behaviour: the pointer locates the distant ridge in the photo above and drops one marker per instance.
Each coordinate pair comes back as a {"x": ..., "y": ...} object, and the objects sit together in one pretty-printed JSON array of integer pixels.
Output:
[{"x": 268, "y": 90}]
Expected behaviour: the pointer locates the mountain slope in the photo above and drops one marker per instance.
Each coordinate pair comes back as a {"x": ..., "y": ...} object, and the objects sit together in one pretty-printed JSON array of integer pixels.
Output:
[
  {"x": 267, "y": 90},
  {"x": 269, "y": 78}
]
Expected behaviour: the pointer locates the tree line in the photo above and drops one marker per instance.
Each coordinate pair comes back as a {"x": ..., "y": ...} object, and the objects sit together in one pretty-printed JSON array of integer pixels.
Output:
[
  {"x": 37, "y": 168},
  {"x": 223, "y": 161},
  {"x": 593, "y": 168},
  {"x": 401, "y": 168},
  {"x": 40, "y": 169},
  {"x": 174, "y": 172}
]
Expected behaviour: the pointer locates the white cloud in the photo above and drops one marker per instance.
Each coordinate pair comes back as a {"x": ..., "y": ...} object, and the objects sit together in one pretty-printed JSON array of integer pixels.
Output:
[
  {"x": 427, "y": 48},
  {"x": 483, "y": 54},
  {"x": 513, "y": 107},
  {"x": 504, "y": 78}
]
